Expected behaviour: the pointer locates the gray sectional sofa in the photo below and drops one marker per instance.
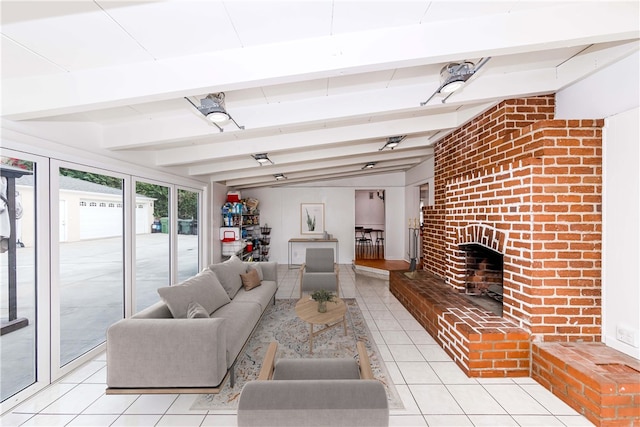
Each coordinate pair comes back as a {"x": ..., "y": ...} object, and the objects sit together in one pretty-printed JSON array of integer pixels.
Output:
[{"x": 193, "y": 337}]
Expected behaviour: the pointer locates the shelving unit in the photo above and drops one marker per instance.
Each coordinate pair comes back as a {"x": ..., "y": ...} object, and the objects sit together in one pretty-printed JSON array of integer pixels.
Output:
[{"x": 247, "y": 224}]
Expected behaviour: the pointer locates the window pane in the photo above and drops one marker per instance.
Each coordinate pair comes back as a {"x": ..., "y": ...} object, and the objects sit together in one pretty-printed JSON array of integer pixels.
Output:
[
  {"x": 152, "y": 243},
  {"x": 188, "y": 251},
  {"x": 17, "y": 276},
  {"x": 91, "y": 259}
]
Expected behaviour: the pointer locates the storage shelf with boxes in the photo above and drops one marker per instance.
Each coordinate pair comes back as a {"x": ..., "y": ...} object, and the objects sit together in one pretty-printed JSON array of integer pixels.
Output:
[{"x": 240, "y": 232}]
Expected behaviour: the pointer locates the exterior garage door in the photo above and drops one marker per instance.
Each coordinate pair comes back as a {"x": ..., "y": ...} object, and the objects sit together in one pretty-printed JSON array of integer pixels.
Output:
[
  {"x": 143, "y": 213},
  {"x": 100, "y": 219}
]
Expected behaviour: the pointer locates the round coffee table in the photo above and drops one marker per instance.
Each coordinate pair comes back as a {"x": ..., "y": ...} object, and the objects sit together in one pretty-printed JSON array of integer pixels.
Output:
[{"x": 307, "y": 310}]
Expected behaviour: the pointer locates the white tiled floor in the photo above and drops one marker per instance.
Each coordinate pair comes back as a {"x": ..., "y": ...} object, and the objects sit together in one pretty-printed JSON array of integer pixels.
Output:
[{"x": 433, "y": 389}]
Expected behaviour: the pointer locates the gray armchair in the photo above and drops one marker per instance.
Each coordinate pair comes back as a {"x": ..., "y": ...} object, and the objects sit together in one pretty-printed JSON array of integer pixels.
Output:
[
  {"x": 314, "y": 392},
  {"x": 319, "y": 271}
]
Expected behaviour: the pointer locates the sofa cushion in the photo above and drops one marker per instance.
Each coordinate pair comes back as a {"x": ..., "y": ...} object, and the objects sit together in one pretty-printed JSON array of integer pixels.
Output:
[
  {"x": 196, "y": 311},
  {"x": 203, "y": 288},
  {"x": 261, "y": 295},
  {"x": 228, "y": 273},
  {"x": 251, "y": 279},
  {"x": 258, "y": 268},
  {"x": 241, "y": 318}
]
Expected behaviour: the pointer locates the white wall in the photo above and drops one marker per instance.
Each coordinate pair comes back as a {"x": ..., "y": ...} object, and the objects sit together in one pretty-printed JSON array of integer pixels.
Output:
[
  {"x": 621, "y": 231},
  {"x": 418, "y": 175},
  {"x": 280, "y": 208}
]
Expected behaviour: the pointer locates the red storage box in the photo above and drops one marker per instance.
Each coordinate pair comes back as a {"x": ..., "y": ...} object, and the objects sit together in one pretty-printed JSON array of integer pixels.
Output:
[{"x": 233, "y": 196}]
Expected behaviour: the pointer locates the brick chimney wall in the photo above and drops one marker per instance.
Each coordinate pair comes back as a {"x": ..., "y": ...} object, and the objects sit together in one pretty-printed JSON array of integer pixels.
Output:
[{"x": 532, "y": 184}]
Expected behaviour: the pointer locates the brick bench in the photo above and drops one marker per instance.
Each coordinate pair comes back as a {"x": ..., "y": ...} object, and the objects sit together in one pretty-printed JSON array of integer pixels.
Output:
[
  {"x": 599, "y": 382},
  {"x": 481, "y": 343}
]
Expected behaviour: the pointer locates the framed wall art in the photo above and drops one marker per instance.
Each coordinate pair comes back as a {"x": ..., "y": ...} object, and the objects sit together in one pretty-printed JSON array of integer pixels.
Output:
[{"x": 311, "y": 218}]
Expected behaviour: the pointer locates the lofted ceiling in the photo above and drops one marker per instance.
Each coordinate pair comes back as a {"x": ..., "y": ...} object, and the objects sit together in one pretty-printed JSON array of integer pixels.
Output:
[{"x": 319, "y": 86}]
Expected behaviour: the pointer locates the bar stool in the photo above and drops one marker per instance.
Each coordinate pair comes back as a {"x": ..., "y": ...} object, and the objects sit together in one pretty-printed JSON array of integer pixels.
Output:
[
  {"x": 379, "y": 243},
  {"x": 359, "y": 237},
  {"x": 367, "y": 242}
]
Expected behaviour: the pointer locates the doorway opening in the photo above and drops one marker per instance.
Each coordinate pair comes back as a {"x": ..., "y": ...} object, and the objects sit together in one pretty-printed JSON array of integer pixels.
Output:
[{"x": 369, "y": 224}]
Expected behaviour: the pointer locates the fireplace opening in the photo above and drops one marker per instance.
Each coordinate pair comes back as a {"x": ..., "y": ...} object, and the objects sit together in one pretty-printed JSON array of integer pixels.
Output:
[{"x": 483, "y": 276}]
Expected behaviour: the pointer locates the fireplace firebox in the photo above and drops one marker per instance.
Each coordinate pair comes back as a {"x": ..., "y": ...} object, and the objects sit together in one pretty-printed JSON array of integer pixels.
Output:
[{"x": 483, "y": 276}]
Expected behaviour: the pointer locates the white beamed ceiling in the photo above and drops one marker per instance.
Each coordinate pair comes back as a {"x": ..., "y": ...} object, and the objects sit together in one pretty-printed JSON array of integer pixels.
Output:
[{"x": 318, "y": 85}]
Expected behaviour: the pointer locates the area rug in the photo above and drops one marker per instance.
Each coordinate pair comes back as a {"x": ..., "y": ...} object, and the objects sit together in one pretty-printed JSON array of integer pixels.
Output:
[{"x": 281, "y": 324}]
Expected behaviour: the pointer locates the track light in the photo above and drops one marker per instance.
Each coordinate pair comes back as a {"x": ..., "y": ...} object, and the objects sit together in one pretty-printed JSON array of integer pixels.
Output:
[
  {"x": 393, "y": 142},
  {"x": 213, "y": 108},
  {"x": 261, "y": 158},
  {"x": 279, "y": 176},
  {"x": 369, "y": 165},
  {"x": 454, "y": 75}
]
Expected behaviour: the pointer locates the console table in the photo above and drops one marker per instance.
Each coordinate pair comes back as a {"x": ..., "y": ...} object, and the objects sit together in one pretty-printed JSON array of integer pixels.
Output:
[{"x": 305, "y": 241}]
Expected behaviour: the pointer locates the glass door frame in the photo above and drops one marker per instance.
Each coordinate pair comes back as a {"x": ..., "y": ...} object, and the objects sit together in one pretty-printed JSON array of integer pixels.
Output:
[
  {"x": 58, "y": 371},
  {"x": 42, "y": 291},
  {"x": 201, "y": 247},
  {"x": 130, "y": 309}
]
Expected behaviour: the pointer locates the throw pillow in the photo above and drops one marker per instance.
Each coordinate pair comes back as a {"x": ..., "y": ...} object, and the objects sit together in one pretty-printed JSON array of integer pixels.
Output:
[
  {"x": 203, "y": 288},
  {"x": 251, "y": 279},
  {"x": 196, "y": 311},
  {"x": 228, "y": 273},
  {"x": 258, "y": 268}
]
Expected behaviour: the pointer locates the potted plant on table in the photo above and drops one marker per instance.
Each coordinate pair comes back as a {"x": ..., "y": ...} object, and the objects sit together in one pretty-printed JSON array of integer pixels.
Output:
[{"x": 322, "y": 296}]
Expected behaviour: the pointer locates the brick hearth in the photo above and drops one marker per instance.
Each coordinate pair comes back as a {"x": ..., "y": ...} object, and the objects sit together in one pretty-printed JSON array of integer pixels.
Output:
[{"x": 481, "y": 343}]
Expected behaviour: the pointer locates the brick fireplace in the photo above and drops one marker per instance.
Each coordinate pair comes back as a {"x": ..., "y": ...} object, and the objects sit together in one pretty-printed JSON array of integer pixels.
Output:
[
  {"x": 528, "y": 188},
  {"x": 518, "y": 209}
]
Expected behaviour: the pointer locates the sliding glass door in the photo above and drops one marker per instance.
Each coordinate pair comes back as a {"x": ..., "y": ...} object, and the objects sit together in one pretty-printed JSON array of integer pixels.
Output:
[
  {"x": 90, "y": 258},
  {"x": 23, "y": 274},
  {"x": 81, "y": 248},
  {"x": 152, "y": 242},
  {"x": 188, "y": 213}
]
